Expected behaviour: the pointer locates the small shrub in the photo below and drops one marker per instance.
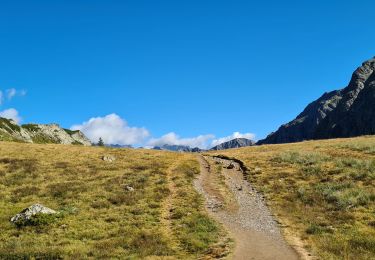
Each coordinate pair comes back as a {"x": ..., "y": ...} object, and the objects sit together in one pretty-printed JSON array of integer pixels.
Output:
[
  {"x": 360, "y": 241},
  {"x": 48, "y": 254},
  {"x": 38, "y": 220},
  {"x": 26, "y": 165},
  {"x": 344, "y": 195},
  {"x": 139, "y": 167},
  {"x": 150, "y": 243},
  {"x": 315, "y": 229},
  {"x": 300, "y": 158},
  {"x": 200, "y": 232},
  {"x": 100, "y": 204},
  {"x": 311, "y": 170},
  {"x": 189, "y": 169},
  {"x": 70, "y": 132},
  {"x": 31, "y": 127},
  {"x": 66, "y": 189},
  {"x": 161, "y": 192},
  {"x": 128, "y": 198},
  {"x": 61, "y": 165},
  {"x": 360, "y": 147},
  {"x": 43, "y": 139},
  {"x": 305, "y": 196},
  {"x": 24, "y": 191}
]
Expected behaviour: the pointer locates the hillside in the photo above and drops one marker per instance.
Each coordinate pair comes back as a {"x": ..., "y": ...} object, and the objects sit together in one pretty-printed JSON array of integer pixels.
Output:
[
  {"x": 142, "y": 204},
  {"x": 137, "y": 203},
  {"x": 341, "y": 113},
  {"x": 38, "y": 133},
  {"x": 321, "y": 191}
]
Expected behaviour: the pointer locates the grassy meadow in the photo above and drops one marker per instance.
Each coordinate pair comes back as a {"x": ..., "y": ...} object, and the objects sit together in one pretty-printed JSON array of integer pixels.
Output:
[
  {"x": 321, "y": 191},
  {"x": 99, "y": 217}
]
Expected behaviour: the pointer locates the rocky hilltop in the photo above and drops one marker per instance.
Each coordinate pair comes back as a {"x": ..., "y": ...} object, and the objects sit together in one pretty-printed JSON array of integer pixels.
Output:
[
  {"x": 348, "y": 112},
  {"x": 235, "y": 143},
  {"x": 38, "y": 133}
]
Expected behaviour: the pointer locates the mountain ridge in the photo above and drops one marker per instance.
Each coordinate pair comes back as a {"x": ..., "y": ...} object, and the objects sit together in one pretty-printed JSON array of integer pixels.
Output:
[
  {"x": 347, "y": 112},
  {"x": 234, "y": 143},
  {"x": 178, "y": 148},
  {"x": 40, "y": 133}
]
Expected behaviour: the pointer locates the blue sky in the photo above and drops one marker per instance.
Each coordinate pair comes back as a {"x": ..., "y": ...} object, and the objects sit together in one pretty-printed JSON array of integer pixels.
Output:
[{"x": 190, "y": 68}]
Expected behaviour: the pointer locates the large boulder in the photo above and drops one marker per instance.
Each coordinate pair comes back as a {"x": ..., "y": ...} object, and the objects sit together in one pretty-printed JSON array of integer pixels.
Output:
[{"x": 31, "y": 211}]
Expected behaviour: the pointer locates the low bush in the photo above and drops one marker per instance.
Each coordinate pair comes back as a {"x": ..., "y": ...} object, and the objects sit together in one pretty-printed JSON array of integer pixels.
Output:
[{"x": 38, "y": 220}]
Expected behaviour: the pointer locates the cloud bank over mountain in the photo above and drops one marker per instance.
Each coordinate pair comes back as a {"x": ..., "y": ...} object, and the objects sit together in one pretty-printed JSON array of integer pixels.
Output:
[
  {"x": 115, "y": 130},
  {"x": 201, "y": 141},
  {"x": 218, "y": 141}
]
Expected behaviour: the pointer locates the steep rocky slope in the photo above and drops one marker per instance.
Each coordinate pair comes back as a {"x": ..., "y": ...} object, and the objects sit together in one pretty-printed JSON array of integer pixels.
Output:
[
  {"x": 38, "y": 133},
  {"x": 235, "y": 143},
  {"x": 341, "y": 113}
]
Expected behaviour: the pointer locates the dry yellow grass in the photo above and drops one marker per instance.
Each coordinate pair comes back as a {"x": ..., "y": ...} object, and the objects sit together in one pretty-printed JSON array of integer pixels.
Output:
[
  {"x": 163, "y": 217},
  {"x": 321, "y": 191}
]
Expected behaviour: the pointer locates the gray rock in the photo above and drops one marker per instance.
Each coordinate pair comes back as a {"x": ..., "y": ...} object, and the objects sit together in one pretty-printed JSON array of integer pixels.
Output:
[
  {"x": 108, "y": 158},
  {"x": 348, "y": 112},
  {"x": 27, "y": 213},
  {"x": 129, "y": 188}
]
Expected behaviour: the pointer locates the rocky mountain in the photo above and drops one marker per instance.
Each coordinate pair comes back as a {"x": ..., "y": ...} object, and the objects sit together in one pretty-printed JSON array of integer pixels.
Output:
[
  {"x": 347, "y": 112},
  {"x": 37, "y": 133},
  {"x": 118, "y": 146},
  {"x": 177, "y": 148},
  {"x": 235, "y": 143}
]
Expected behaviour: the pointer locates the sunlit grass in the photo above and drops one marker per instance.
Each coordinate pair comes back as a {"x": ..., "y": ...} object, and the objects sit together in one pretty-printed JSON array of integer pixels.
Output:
[
  {"x": 100, "y": 217},
  {"x": 324, "y": 192}
]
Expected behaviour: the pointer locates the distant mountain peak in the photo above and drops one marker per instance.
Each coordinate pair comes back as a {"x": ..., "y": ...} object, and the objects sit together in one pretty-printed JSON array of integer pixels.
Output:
[
  {"x": 347, "y": 112},
  {"x": 177, "y": 148},
  {"x": 235, "y": 143}
]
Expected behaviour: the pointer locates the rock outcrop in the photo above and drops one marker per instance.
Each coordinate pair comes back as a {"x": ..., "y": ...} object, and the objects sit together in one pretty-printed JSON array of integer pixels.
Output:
[
  {"x": 348, "y": 112},
  {"x": 38, "y": 133},
  {"x": 235, "y": 143}
]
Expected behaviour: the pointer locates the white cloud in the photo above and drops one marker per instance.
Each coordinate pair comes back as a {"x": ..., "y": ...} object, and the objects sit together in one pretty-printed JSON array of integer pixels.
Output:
[
  {"x": 200, "y": 141},
  {"x": 231, "y": 137},
  {"x": 11, "y": 93},
  {"x": 11, "y": 113},
  {"x": 113, "y": 129},
  {"x": 22, "y": 92}
]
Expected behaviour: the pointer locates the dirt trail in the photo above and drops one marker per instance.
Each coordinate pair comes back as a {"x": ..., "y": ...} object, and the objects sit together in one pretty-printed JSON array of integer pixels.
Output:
[{"x": 251, "y": 225}]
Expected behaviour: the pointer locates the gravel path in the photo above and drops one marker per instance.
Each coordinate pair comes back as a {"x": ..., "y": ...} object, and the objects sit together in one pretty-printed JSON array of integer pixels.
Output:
[{"x": 256, "y": 234}]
